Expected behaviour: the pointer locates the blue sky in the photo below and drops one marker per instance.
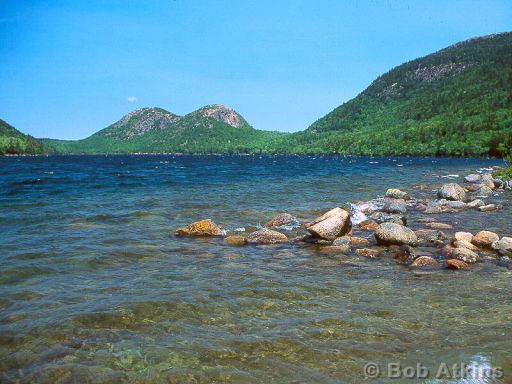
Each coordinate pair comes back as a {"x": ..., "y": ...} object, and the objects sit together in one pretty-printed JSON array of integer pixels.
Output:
[{"x": 70, "y": 68}]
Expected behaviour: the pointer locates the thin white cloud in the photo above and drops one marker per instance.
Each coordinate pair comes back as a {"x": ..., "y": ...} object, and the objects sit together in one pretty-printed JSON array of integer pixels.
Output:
[{"x": 132, "y": 99}]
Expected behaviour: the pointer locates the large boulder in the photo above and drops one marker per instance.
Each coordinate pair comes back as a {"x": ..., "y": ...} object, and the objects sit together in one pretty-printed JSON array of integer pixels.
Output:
[
  {"x": 330, "y": 225},
  {"x": 452, "y": 191},
  {"x": 484, "y": 239},
  {"x": 266, "y": 236},
  {"x": 201, "y": 228},
  {"x": 391, "y": 233},
  {"x": 280, "y": 220},
  {"x": 503, "y": 246}
]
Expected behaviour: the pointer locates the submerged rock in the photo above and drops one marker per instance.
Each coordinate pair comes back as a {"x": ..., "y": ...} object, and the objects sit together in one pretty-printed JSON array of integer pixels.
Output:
[
  {"x": 236, "y": 240},
  {"x": 391, "y": 233},
  {"x": 452, "y": 191},
  {"x": 382, "y": 217},
  {"x": 280, "y": 220},
  {"x": 201, "y": 228},
  {"x": 456, "y": 264},
  {"x": 266, "y": 236},
  {"x": 336, "y": 249},
  {"x": 405, "y": 254},
  {"x": 424, "y": 261},
  {"x": 503, "y": 246},
  {"x": 429, "y": 235},
  {"x": 343, "y": 242},
  {"x": 439, "y": 226},
  {"x": 369, "y": 225},
  {"x": 367, "y": 252},
  {"x": 359, "y": 241},
  {"x": 465, "y": 255},
  {"x": 397, "y": 194},
  {"x": 484, "y": 239},
  {"x": 488, "y": 208},
  {"x": 330, "y": 225}
]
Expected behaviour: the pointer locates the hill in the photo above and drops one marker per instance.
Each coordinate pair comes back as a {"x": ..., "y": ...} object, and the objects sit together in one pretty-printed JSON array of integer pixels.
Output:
[
  {"x": 211, "y": 129},
  {"x": 14, "y": 142},
  {"x": 457, "y": 101}
]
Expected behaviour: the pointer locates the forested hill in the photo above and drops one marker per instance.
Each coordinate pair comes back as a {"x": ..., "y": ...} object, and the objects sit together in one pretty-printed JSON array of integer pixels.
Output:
[
  {"x": 457, "y": 101},
  {"x": 211, "y": 129},
  {"x": 13, "y": 142}
]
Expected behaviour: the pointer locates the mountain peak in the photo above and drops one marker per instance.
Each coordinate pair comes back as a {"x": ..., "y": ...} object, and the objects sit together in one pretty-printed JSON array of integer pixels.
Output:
[
  {"x": 223, "y": 114},
  {"x": 141, "y": 121}
]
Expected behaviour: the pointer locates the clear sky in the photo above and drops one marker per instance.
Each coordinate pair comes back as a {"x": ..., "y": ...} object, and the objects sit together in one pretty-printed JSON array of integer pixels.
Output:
[{"x": 70, "y": 68}]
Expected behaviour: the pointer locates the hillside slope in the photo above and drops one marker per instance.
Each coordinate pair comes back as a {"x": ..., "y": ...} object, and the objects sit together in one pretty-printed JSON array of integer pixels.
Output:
[
  {"x": 13, "y": 141},
  {"x": 211, "y": 129},
  {"x": 457, "y": 101}
]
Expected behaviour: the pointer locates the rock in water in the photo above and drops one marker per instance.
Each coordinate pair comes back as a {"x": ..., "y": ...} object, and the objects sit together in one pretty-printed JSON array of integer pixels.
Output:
[
  {"x": 368, "y": 225},
  {"x": 475, "y": 203},
  {"x": 424, "y": 261},
  {"x": 473, "y": 178},
  {"x": 344, "y": 242},
  {"x": 465, "y": 236},
  {"x": 488, "y": 208},
  {"x": 465, "y": 255},
  {"x": 397, "y": 194},
  {"x": 429, "y": 235},
  {"x": 452, "y": 191},
  {"x": 201, "y": 228},
  {"x": 281, "y": 219},
  {"x": 484, "y": 239},
  {"x": 391, "y": 233},
  {"x": 266, "y": 236},
  {"x": 503, "y": 246},
  {"x": 236, "y": 240},
  {"x": 330, "y": 225},
  {"x": 394, "y": 206},
  {"x": 367, "y": 252},
  {"x": 456, "y": 264}
]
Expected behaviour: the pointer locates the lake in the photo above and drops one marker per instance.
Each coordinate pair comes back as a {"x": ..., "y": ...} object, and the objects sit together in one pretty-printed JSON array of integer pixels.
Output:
[{"x": 95, "y": 287}]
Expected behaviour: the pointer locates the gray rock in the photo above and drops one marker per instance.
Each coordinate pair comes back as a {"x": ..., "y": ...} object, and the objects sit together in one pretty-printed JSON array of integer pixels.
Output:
[
  {"x": 452, "y": 191},
  {"x": 429, "y": 235},
  {"x": 484, "y": 191},
  {"x": 344, "y": 243},
  {"x": 382, "y": 217},
  {"x": 488, "y": 208},
  {"x": 330, "y": 225},
  {"x": 391, "y": 233},
  {"x": 475, "y": 203},
  {"x": 465, "y": 255},
  {"x": 394, "y": 206},
  {"x": 503, "y": 246},
  {"x": 472, "y": 178},
  {"x": 456, "y": 204}
]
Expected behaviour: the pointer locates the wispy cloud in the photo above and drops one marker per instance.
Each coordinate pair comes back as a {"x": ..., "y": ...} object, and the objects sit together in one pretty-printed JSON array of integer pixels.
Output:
[{"x": 132, "y": 99}]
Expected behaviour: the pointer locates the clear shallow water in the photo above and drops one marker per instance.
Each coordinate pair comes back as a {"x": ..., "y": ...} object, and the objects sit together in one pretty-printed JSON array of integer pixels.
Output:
[{"x": 95, "y": 288}]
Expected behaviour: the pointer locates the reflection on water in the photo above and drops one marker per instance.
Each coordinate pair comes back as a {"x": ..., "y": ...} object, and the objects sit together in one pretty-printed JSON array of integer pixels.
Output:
[{"x": 94, "y": 287}]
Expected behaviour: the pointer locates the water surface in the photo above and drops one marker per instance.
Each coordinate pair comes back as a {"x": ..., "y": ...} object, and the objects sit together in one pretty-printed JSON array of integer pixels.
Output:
[{"x": 95, "y": 288}]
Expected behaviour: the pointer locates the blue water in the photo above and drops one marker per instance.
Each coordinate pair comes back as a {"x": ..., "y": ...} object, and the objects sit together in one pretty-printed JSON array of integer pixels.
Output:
[{"x": 94, "y": 286}]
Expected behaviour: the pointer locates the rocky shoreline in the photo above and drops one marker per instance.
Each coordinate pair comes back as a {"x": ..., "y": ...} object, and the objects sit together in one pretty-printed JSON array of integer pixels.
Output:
[{"x": 379, "y": 228}]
